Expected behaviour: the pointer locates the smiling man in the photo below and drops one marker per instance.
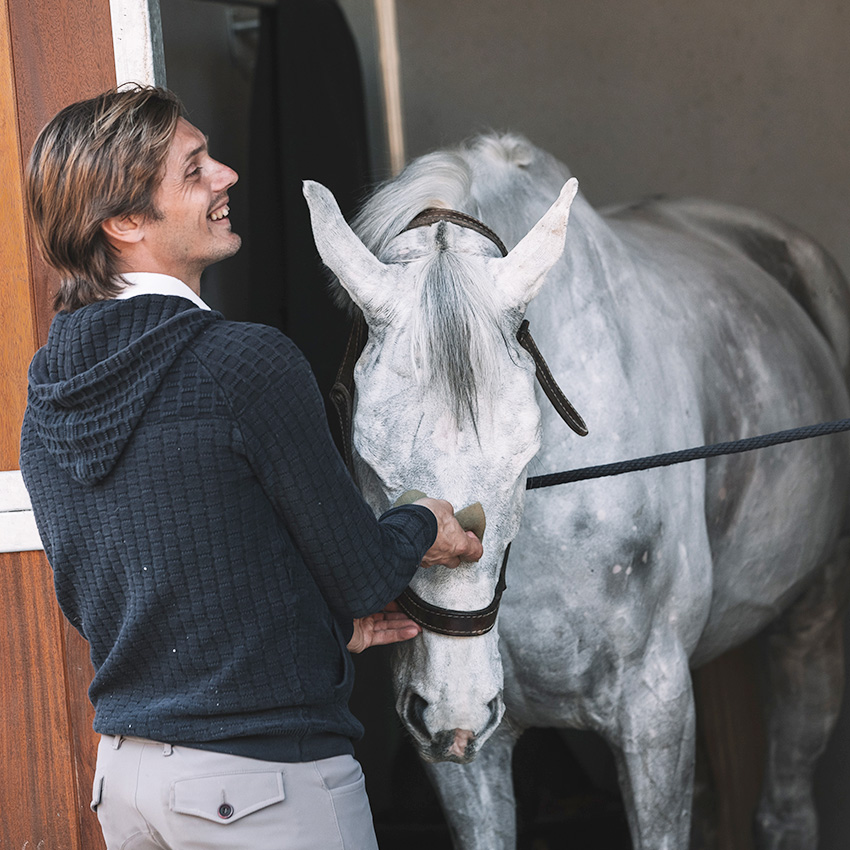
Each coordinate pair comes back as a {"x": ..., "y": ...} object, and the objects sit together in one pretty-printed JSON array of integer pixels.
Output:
[
  {"x": 204, "y": 534},
  {"x": 190, "y": 227}
]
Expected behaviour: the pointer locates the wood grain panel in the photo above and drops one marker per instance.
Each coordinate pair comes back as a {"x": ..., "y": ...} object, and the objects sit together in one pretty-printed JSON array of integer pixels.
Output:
[
  {"x": 17, "y": 340},
  {"x": 52, "y": 53},
  {"x": 62, "y": 51},
  {"x": 35, "y": 736},
  {"x": 80, "y": 672}
]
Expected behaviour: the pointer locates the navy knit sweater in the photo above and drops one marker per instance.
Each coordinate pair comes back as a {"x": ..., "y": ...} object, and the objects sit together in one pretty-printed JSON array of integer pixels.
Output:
[{"x": 204, "y": 535}]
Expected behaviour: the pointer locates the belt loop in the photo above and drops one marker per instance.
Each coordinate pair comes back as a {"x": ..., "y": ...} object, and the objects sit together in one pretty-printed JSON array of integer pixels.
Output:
[
  {"x": 167, "y": 749},
  {"x": 116, "y": 741}
]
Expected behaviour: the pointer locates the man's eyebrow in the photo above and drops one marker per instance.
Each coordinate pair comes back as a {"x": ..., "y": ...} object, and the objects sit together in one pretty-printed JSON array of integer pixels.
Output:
[{"x": 197, "y": 150}]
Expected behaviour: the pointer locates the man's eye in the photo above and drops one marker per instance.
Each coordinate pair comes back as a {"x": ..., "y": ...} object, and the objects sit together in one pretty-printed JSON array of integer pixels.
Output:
[{"x": 195, "y": 172}]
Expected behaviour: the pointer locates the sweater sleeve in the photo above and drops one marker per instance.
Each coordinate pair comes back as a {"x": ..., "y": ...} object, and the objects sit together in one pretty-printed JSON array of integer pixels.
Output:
[{"x": 358, "y": 562}]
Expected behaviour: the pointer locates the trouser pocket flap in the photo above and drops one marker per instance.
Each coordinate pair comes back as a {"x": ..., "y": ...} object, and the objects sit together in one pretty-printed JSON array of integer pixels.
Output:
[
  {"x": 96, "y": 793},
  {"x": 226, "y": 797}
]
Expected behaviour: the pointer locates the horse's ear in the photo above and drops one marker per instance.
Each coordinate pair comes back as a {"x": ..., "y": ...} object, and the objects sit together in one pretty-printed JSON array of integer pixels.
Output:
[
  {"x": 361, "y": 274},
  {"x": 520, "y": 275}
]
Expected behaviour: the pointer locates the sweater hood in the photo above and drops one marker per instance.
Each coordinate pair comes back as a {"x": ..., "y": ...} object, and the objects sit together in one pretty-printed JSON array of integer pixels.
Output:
[{"x": 102, "y": 365}]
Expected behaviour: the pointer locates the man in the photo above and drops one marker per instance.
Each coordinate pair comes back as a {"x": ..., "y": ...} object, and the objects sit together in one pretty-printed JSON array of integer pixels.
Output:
[{"x": 204, "y": 535}]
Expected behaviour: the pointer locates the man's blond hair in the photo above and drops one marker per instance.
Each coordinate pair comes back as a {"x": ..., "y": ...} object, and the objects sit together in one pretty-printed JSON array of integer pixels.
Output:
[{"x": 97, "y": 159}]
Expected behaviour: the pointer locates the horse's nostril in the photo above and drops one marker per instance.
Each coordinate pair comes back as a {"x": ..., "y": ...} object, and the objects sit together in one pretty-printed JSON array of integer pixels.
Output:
[
  {"x": 497, "y": 709},
  {"x": 416, "y": 706}
]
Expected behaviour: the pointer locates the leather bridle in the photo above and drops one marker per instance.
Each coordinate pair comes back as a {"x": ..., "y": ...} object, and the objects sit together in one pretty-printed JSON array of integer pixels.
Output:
[
  {"x": 434, "y": 215},
  {"x": 445, "y": 621}
]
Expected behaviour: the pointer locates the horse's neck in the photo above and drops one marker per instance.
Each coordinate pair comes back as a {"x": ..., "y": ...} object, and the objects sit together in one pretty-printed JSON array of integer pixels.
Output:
[
  {"x": 587, "y": 321},
  {"x": 591, "y": 267},
  {"x": 592, "y": 278}
]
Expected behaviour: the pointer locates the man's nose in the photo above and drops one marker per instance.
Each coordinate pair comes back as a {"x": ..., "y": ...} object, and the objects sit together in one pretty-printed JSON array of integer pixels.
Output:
[{"x": 224, "y": 177}]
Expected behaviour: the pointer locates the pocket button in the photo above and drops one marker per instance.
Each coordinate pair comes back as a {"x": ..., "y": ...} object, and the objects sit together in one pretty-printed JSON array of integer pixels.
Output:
[{"x": 225, "y": 811}]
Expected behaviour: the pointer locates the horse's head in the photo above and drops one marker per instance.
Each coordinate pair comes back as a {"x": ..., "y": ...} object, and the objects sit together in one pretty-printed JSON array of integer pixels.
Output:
[{"x": 445, "y": 404}]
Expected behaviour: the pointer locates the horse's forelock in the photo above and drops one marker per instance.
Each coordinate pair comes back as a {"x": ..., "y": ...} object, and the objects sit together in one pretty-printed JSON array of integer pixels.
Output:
[
  {"x": 455, "y": 328},
  {"x": 455, "y": 332},
  {"x": 439, "y": 179}
]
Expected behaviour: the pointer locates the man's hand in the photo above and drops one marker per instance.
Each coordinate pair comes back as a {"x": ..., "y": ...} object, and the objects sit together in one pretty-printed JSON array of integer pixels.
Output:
[
  {"x": 453, "y": 545},
  {"x": 388, "y": 626}
]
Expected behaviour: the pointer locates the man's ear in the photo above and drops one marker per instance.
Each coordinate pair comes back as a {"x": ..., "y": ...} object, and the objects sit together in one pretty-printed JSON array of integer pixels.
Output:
[{"x": 123, "y": 229}]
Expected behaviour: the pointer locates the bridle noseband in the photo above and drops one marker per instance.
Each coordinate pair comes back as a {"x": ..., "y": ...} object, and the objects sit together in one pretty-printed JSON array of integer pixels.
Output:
[{"x": 445, "y": 621}]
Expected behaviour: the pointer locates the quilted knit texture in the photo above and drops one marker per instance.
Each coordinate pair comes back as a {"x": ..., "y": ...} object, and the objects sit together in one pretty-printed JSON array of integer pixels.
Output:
[{"x": 204, "y": 534}]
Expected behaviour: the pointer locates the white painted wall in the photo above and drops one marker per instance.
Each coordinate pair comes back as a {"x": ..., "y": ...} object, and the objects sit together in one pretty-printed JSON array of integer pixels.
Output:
[
  {"x": 137, "y": 42},
  {"x": 18, "y": 531}
]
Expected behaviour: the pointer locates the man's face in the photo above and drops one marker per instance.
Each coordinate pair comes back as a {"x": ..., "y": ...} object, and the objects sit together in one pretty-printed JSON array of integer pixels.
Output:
[{"x": 194, "y": 230}]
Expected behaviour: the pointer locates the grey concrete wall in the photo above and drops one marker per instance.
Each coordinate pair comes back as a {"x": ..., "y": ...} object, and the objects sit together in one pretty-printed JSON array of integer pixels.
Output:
[{"x": 743, "y": 102}]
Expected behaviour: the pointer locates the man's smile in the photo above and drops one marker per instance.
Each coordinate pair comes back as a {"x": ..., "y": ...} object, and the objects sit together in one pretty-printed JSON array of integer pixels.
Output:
[{"x": 220, "y": 213}]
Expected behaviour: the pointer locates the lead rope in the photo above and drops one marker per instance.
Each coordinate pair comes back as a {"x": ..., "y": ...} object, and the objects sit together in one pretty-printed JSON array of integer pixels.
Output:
[{"x": 685, "y": 455}]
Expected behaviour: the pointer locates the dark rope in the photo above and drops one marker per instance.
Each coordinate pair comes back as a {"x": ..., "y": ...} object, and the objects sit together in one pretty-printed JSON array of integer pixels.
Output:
[{"x": 734, "y": 447}]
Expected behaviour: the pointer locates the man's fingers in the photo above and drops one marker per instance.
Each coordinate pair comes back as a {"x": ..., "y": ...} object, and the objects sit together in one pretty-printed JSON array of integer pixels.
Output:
[
  {"x": 472, "y": 550},
  {"x": 476, "y": 549},
  {"x": 391, "y": 619},
  {"x": 394, "y": 633},
  {"x": 453, "y": 545},
  {"x": 382, "y": 628}
]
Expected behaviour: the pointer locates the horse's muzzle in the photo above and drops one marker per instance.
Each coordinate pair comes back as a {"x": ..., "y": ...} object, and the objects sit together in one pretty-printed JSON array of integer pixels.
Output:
[{"x": 457, "y": 744}]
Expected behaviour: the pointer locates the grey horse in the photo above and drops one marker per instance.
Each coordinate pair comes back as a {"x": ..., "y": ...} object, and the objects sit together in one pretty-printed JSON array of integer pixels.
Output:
[{"x": 672, "y": 324}]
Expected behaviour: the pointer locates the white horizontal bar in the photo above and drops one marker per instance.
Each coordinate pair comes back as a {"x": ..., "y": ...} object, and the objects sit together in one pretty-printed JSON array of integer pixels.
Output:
[
  {"x": 18, "y": 531},
  {"x": 13, "y": 494}
]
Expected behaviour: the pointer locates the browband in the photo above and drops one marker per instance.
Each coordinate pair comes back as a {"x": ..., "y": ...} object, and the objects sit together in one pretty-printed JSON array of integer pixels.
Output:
[{"x": 435, "y": 214}]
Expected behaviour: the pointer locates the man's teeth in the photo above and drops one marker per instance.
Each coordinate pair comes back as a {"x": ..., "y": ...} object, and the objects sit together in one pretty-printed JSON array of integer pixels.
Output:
[{"x": 224, "y": 212}]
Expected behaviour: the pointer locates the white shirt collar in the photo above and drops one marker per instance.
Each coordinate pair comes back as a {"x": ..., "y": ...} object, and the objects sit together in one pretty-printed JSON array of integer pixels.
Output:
[{"x": 153, "y": 283}]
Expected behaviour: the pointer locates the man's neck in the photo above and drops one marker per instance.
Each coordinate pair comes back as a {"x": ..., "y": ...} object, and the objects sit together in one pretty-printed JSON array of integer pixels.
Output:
[{"x": 155, "y": 283}]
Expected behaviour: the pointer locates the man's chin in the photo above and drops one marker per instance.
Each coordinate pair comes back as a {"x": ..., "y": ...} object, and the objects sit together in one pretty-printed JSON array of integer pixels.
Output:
[{"x": 229, "y": 246}]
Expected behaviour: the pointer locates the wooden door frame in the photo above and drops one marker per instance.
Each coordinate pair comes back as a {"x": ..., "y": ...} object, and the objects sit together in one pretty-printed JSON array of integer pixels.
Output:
[{"x": 52, "y": 53}]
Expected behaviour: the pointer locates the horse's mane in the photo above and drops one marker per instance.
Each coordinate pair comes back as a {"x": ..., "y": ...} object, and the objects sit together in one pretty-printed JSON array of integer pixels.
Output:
[
  {"x": 439, "y": 179},
  {"x": 456, "y": 327}
]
